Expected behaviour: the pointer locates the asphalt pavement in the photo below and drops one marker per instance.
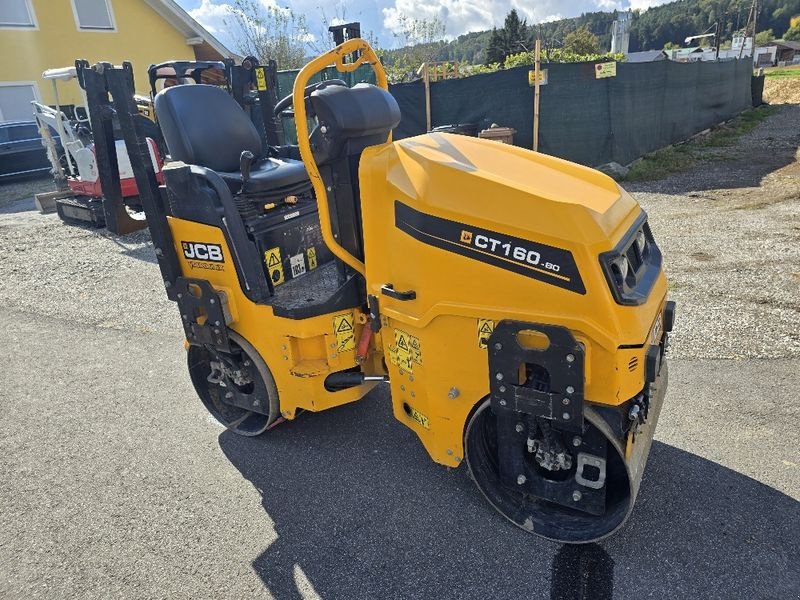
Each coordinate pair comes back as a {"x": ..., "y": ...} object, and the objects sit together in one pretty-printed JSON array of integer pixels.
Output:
[{"x": 116, "y": 484}]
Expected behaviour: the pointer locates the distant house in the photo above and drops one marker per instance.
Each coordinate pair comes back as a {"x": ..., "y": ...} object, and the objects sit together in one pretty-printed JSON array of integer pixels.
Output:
[
  {"x": 646, "y": 56},
  {"x": 36, "y": 35},
  {"x": 692, "y": 54},
  {"x": 787, "y": 52}
]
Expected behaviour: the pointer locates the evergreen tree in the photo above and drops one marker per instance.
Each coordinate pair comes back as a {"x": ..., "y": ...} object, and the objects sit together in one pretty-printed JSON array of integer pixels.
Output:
[
  {"x": 512, "y": 38},
  {"x": 515, "y": 33},
  {"x": 494, "y": 52}
]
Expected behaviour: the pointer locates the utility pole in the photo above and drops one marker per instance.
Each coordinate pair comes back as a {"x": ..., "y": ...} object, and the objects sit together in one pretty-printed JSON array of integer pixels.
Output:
[
  {"x": 751, "y": 17},
  {"x": 536, "y": 74}
]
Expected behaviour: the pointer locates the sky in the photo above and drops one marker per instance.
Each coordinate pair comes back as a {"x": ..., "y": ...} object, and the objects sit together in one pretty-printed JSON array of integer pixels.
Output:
[{"x": 382, "y": 17}]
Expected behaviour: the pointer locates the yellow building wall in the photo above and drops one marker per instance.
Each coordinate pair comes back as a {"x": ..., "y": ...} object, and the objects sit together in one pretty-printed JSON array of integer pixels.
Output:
[{"x": 141, "y": 37}]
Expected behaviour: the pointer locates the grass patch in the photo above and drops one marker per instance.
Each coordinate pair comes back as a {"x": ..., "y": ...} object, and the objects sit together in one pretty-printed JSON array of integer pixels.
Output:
[
  {"x": 783, "y": 72},
  {"x": 678, "y": 158},
  {"x": 660, "y": 164}
]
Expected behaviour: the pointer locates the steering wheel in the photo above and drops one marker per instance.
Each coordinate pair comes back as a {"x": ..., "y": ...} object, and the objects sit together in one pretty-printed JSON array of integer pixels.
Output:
[{"x": 285, "y": 103}]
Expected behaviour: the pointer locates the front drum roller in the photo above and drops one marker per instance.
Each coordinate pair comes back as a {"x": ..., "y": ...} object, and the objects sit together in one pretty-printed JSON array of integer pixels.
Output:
[
  {"x": 549, "y": 519},
  {"x": 237, "y": 388}
]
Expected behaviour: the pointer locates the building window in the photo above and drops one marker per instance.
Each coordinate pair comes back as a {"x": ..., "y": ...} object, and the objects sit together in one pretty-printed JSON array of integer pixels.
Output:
[
  {"x": 93, "y": 14},
  {"x": 15, "y": 100},
  {"x": 16, "y": 13}
]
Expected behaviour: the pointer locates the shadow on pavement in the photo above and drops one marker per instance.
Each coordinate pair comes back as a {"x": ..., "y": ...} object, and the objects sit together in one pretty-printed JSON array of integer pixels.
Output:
[{"x": 361, "y": 512}]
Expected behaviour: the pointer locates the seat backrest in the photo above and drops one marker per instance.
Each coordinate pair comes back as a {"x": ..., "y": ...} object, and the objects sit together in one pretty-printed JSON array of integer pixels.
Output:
[
  {"x": 203, "y": 125},
  {"x": 354, "y": 118}
]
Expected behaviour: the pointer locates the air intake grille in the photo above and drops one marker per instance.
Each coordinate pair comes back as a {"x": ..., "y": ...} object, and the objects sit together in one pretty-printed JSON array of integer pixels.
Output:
[{"x": 633, "y": 363}]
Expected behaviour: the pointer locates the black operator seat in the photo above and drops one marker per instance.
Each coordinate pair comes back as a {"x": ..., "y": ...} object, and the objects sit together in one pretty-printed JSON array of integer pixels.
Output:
[
  {"x": 203, "y": 125},
  {"x": 351, "y": 119}
]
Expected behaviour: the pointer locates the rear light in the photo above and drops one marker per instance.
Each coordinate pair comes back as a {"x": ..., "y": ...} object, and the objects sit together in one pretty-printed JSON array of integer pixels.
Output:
[{"x": 632, "y": 267}]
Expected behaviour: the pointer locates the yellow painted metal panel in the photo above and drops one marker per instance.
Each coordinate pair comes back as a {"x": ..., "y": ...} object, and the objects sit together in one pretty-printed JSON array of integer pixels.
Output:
[{"x": 299, "y": 353}]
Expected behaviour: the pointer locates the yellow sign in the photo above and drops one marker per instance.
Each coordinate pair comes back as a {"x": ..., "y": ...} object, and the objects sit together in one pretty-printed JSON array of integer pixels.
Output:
[
  {"x": 419, "y": 417},
  {"x": 542, "y": 77},
  {"x": 603, "y": 70},
  {"x": 272, "y": 258},
  {"x": 466, "y": 236},
  {"x": 485, "y": 329},
  {"x": 261, "y": 79},
  {"x": 345, "y": 332},
  {"x": 312, "y": 258},
  {"x": 405, "y": 351}
]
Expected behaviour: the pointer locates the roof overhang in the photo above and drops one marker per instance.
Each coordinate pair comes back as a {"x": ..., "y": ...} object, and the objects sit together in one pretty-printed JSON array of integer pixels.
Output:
[{"x": 194, "y": 33}]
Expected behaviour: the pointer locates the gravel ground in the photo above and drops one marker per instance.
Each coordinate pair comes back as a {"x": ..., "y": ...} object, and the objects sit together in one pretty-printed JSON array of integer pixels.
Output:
[
  {"x": 730, "y": 233},
  {"x": 729, "y": 229},
  {"x": 19, "y": 189}
]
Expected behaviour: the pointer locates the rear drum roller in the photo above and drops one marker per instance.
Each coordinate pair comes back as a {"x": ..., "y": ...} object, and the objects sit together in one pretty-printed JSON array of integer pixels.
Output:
[
  {"x": 534, "y": 514},
  {"x": 237, "y": 388}
]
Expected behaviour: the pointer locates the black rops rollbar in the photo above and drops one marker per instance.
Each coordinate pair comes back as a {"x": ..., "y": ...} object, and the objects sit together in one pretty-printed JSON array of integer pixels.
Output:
[
  {"x": 252, "y": 81},
  {"x": 100, "y": 80},
  {"x": 101, "y": 118}
]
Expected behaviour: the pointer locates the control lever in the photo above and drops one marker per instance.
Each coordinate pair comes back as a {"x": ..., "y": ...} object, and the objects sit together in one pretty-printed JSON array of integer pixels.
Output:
[{"x": 246, "y": 159}]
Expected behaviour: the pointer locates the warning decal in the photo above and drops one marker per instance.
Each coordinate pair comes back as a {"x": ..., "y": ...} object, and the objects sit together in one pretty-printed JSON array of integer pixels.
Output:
[
  {"x": 405, "y": 351},
  {"x": 261, "y": 79},
  {"x": 272, "y": 258},
  {"x": 298, "y": 264},
  {"x": 419, "y": 417},
  {"x": 485, "y": 329},
  {"x": 345, "y": 332},
  {"x": 312, "y": 258}
]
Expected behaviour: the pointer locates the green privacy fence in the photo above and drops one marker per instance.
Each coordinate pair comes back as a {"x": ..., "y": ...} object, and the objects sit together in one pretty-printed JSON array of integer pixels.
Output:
[
  {"x": 587, "y": 120},
  {"x": 592, "y": 121}
]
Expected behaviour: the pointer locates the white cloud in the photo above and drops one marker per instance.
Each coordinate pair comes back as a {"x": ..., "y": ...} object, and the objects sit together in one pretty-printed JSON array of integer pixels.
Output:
[
  {"x": 462, "y": 16},
  {"x": 210, "y": 15},
  {"x": 383, "y": 17}
]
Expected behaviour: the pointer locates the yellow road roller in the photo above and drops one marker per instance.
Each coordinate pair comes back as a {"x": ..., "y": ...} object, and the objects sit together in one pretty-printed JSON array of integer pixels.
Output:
[{"x": 515, "y": 303}]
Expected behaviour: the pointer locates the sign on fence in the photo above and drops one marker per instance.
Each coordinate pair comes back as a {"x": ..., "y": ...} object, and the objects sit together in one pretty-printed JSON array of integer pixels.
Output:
[
  {"x": 532, "y": 77},
  {"x": 603, "y": 70}
]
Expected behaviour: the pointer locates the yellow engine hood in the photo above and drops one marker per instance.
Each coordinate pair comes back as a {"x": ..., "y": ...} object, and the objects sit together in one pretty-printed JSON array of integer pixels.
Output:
[{"x": 518, "y": 188}]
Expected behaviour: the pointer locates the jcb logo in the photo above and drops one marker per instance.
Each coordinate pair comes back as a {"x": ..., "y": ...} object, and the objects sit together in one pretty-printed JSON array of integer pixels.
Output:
[
  {"x": 201, "y": 251},
  {"x": 466, "y": 236}
]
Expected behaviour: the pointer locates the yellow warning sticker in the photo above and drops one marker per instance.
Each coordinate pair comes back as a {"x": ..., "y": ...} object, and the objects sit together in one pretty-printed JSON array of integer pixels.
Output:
[
  {"x": 261, "y": 79},
  {"x": 419, "y": 417},
  {"x": 405, "y": 351},
  {"x": 485, "y": 329},
  {"x": 272, "y": 258},
  {"x": 345, "y": 332},
  {"x": 532, "y": 77},
  {"x": 312, "y": 258}
]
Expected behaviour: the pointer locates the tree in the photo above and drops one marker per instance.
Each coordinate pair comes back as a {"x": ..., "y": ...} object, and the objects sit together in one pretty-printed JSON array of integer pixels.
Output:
[
  {"x": 581, "y": 41},
  {"x": 512, "y": 38},
  {"x": 269, "y": 32},
  {"x": 420, "y": 40},
  {"x": 792, "y": 34},
  {"x": 764, "y": 37},
  {"x": 494, "y": 51}
]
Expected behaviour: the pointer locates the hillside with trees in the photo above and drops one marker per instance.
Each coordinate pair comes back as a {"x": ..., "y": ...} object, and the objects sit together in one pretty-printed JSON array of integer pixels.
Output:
[{"x": 652, "y": 29}]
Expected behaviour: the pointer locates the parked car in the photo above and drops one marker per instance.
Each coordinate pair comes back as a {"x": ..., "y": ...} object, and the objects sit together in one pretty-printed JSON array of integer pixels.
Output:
[{"x": 21, "y": 149}]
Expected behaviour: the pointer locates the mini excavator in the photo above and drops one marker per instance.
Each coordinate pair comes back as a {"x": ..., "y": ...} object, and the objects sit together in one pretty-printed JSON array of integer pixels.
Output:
[{"x": 514, "y": 302}]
